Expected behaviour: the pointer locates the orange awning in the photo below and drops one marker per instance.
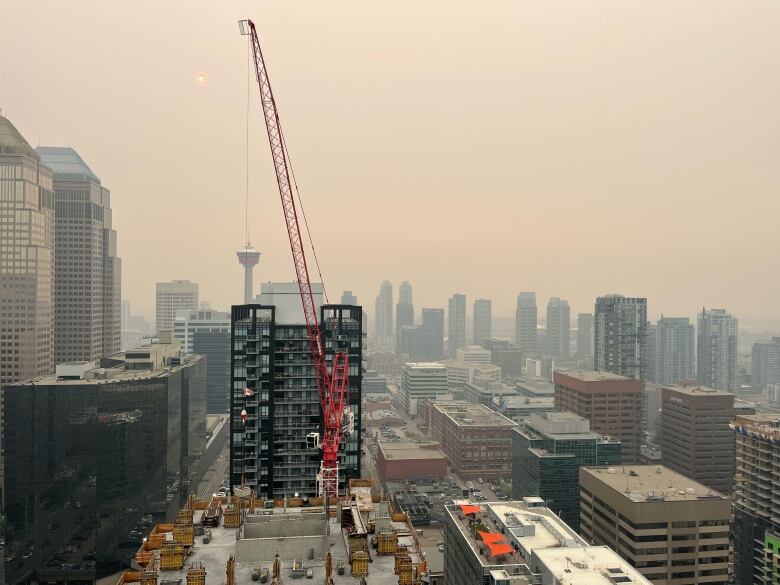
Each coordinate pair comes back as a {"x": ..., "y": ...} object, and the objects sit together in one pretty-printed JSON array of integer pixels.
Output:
[
  {"x": 499, "y": 548},
  {"x": 469, "y": 508},
  {"x": 489, "y": 537}
]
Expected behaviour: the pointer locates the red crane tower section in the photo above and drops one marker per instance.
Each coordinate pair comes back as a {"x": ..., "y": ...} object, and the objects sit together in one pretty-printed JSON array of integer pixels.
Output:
[{"x": 333, "y": 387}]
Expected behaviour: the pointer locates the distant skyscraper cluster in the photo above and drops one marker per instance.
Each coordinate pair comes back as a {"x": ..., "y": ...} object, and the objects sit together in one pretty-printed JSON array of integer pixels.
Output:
[
  {"x": 456, "y": 325},
  {"x": 526, "y": 322},
  {"x": 383, "y": 314},
  {"x": 483, "y": 321}
]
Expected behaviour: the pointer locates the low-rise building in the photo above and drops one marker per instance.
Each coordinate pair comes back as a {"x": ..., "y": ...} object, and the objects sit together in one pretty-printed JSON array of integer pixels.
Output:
[
  {"x": 670, "y": 527},
  {"x": 476, "y": 439},
  {"x": 542, "y": 367},
  {"x": 421, "y": 382},
  {"x": 485, "y": 392},
  {"x": 524, "y": 543},
  {"x": 547, "y": 451},
  {"x": 534, "y": 387},
  {"x": 520, "y": 408},
  {"x": 408, "y": 460},
  {"x": 460, "y": 373},
  {"x": 473, "y": 354}
]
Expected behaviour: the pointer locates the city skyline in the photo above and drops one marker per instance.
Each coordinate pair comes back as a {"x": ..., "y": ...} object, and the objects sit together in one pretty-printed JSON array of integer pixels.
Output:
[{"x": 631, "y": 165}]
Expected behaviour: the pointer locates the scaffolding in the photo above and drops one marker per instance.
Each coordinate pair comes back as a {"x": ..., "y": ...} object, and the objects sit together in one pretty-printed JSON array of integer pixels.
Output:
[
  {"x": 231, "y": 518},
  {"x": 171, "y": 556},
  {"x": 359, "y": 563},
  {"x": 230, "y": 572},
  {"x": 196, "y": 575},
  {"x": 150, "y": 574}
]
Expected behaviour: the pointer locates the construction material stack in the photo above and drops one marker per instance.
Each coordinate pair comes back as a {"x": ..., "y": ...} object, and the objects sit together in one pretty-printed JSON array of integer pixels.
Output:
[
  {"x": 183, "y": 528},
  {"x": 171, "y": 556},
  {"x": 232, "y": 514},
  {"x": 196, "y": 575}
]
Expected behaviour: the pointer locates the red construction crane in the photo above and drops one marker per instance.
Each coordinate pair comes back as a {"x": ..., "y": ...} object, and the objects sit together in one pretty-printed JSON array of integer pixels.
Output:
[{"x": 333, "y": 387}]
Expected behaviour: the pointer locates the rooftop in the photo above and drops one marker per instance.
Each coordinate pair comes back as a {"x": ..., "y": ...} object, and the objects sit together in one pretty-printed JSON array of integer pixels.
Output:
[
  {"x": 592, "y": 565},
  {"x": 297, "y": 535},
  {"x": 424, "y": 366},
  {"x": 590, "y": 376},
  {"x": 696, "y": 390},
  {"x": 526, "y": 526},
  {"x": 411, "y": 450},
  {"x": 651, "y": 483},
  {"x": 66, "y": 163},
  {"x": 12, "y": 141},
  {"x": 758, "y": 426},
  {"x": 465, "y": 414}
]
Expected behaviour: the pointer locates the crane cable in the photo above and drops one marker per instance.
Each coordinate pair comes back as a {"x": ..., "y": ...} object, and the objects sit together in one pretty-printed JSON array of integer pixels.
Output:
[
  {"x": 303, "y": 213},
  {"x": 248, "y": 83}
]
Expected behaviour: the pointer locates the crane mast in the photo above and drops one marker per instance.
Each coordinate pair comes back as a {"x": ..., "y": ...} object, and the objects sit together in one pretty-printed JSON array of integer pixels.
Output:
[{"x": 332, "y": 387}]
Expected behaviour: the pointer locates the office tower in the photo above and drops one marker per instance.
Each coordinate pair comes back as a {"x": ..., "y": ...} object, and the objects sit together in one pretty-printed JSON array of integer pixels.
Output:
[
  {"x": 620, "y": 336},
  {"x": 542, "y": 367},
  {"x": 524, "y": 542},
  {"x": 477, "y": 440},
  {"x": 26, "y": 259},
  {"x": 610, "y": 402},
  {"x": 548, "y": 450},
  {"x": 507, "y": 356},
  {"x": 651, "y": 342},
  {"x": 558, "y": 328},
  {"x": 92, "y": 453},
  {"x": 411, "y": 343},
  {"x": 383, "y": 315},
  {"x": 271, "y": 357},
  {"x": 717, "y": 350},
  {"x": 405, "y": 293},
  {"x": 421, "y": 382},
  {"x": 585, "y": 334},
  {"x": 695, "y": 436},
  {"x": 125, "y": 314},
  {"x": 248, "y": 257},
  {"x": 526, "y": 323},
  {"x": 404, "y": 312},
  {"x": 456, "y": 331},
  {"x": 207, "y": 332},
  {"x": 347, "y": 298},
  {"x": 756, "y": 525},
  {"x": 668, "y": 526},
  {"x": 433, "y": 324},
  {"x": 674, "y": 355},
  {"x": 483, "y": 321},
  {"x": 171, "y": 297},
  {"x": 765, "y": 363},
  {"x": 87, "y": 275},
  {"x": 473, "y": 354}
]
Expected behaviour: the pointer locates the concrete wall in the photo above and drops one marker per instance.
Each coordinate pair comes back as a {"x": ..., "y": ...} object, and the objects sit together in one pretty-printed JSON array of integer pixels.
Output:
[
  {"x": 264, "y": 549},
  {"x": 284, "y": 526}
]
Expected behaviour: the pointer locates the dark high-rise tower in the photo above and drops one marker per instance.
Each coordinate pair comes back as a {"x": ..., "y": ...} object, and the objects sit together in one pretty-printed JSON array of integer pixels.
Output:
[
  {"x": 526, "y": 323},
  {"x": 383, "y": 315},
  {"x": 456, "y": 333},
  {"x": 271, "y": 357},
  {"x": 404, "y": 313},
  {"x": 717, "y": 350},
  {"x": 558, "y": 328},
  {"x": 621, "y": 336},
  {"x": 483, "y": 321},
  {"x": 585, "y": 334}
]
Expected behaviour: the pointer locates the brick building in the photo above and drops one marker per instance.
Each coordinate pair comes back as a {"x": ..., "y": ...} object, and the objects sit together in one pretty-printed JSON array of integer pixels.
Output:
[
  {"x": 612, "y": 404},
  {"x": 477, "y": 440},
  {"x": 407, "y": 460}
]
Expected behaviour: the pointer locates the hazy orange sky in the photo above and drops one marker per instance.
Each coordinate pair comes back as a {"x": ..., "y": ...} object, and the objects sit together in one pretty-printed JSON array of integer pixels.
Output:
[{"x": 484, "y": 147}]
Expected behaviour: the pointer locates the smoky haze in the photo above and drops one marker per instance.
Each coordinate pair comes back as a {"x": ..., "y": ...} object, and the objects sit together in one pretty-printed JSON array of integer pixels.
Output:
[{"x": 571, "y": 148}]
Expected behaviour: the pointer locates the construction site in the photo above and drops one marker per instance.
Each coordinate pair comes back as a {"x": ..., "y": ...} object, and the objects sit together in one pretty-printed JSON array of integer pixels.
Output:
[{"x": 238, "y": 540}]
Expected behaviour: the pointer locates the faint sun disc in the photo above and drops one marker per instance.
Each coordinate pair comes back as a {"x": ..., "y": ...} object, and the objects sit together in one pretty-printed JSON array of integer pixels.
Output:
[{"x": 201, "y": 78}]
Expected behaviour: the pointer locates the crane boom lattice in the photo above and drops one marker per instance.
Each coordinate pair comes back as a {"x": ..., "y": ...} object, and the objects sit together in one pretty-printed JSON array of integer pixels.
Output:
[{"x": 333, "y": 388}]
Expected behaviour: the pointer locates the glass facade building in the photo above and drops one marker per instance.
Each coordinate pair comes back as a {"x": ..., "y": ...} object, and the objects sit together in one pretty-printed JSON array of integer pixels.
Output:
[
  {"x": 93, "y": 461},
  {"x": 268, "y": 446},
  {"x": 547, "y": 453}
]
